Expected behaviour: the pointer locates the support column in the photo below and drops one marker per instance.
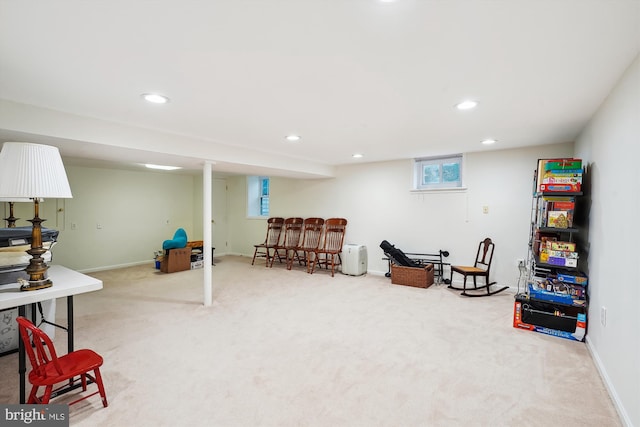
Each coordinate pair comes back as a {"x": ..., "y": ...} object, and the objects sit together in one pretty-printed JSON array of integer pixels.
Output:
[{"x": 207, "y": 253}]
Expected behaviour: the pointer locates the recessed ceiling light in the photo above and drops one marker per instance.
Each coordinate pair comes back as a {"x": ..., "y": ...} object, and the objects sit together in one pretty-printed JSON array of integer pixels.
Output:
[
  {"x": 155, "y": 98},
  {"x": 162, "y": 167},
  {"x": 357, "y": 156},
  {"x": 489, "y": 141},
  {"x": 467, "y": 105},
  {"x": 293, "y": 138}
]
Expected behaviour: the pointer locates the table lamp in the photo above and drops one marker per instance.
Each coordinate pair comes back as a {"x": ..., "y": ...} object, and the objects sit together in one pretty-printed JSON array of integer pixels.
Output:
[
  {"x": 33, "y": 171},
  {"x": 11, "y": 220}
]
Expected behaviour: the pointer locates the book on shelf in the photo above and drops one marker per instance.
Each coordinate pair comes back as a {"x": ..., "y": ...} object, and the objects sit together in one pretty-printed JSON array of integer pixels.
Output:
[
  {"x": 561, "y": 164},
  {"x": 557, "y": 219},
  {"x": 561, "y": 180},
  {"x": 560, "y": 188},
  {"x": 561, "y": 246},
  {"x": 565, "y": 172},
  {"x": 564, "y": 260},
  {"x": 541, "y": 241},
  {"x": 556, "y": 212},
  {"x": 559, "y": 175}
]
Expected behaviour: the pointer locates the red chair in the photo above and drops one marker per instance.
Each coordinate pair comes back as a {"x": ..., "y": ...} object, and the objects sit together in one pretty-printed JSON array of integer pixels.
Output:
[{"x": 49, "y": 369}]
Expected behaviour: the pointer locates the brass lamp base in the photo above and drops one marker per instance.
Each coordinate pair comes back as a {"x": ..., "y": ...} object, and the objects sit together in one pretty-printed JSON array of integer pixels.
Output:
[
  {"x": 34, "y": 285},
  {"x": 37, "y": 268}
]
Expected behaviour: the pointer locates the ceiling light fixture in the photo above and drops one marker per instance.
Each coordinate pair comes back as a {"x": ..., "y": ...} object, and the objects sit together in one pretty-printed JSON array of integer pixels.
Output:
[
  {"x": 155, "y": 98},
  {"x": 467, "y": 105},
  {"x": 293, "y": 138},
  {"x": 357, "y": 156},
  {"x": 162, "y": 167},
  {"x": 489, "y": 141}
]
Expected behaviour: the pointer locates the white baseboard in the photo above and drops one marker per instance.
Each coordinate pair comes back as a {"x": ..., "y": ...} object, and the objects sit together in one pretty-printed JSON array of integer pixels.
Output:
[
  {"x": 151, "y": 264},
  {"x": 607, "y": 382}
]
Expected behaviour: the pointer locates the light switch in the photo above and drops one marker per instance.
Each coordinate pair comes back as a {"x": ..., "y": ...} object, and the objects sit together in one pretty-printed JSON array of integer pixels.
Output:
[{"x": 485, "y": 209}]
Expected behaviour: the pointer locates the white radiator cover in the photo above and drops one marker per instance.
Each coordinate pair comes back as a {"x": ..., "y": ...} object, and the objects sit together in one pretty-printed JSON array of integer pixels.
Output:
[{"x": 354, "y": 260}]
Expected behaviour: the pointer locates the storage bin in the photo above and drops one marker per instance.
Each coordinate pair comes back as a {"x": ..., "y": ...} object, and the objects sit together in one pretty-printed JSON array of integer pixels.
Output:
[{"x": 419, "y": 277}]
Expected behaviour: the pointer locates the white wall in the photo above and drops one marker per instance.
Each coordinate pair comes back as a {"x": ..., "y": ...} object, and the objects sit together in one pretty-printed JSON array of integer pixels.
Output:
[
  {"x": 377, "y": 201},
  {"x": 132, "y": 208},
  {"x": 610, "y": 146}
]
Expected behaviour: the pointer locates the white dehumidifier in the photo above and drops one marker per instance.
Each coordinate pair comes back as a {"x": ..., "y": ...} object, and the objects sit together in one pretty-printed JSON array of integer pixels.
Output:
[{"x": 354, "y": 260}]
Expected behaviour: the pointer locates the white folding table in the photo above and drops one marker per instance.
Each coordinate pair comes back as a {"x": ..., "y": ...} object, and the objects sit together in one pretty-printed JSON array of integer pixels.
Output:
[{"x": 66, "y": 283}]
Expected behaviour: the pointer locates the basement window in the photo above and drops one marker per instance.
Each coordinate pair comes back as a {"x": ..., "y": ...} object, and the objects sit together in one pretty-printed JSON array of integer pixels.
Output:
[
  {"x": 438, "y": 173},
  {"x": 258, "y": 196}
]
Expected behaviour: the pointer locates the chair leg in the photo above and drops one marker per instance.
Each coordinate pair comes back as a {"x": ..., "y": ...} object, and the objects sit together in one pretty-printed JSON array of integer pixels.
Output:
[
  {"x": 464, "y": 282},
  {"x": 290, "y": 258},
  {"x": 255, "y": 252},
  {"x": 33, "y": 395},
  {"x": 311, "y": 266},
  {"x": 276, "y": 252},
  {"x": 311, "y": 261},
  {"x": 333, "y": 263},
  {"x": 103, "y": 394},
  {"x": 47, "y": 395}
]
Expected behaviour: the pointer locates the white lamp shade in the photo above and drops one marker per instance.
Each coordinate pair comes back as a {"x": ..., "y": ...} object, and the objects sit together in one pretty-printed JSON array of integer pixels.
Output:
[{"x": 32, "y": 171}]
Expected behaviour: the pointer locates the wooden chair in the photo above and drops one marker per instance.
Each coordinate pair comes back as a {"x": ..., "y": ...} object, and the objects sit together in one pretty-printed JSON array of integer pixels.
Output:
[
  {"x": 49, "y": 369},
  {"x": 292, "y": 231},
  {"x": 263, "y": 250},
  {"x": 311, "y": 234},
  {"x": 480, "y": 268},
  {"x": 334, "y": 229}
]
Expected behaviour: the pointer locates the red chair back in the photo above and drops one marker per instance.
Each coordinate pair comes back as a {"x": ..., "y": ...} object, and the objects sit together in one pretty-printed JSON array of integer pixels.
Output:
[{"x": 39, "y": 348}]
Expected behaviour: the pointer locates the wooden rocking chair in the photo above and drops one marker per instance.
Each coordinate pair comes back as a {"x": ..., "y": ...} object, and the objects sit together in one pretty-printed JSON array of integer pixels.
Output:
[{"x": 480, "y": 268}]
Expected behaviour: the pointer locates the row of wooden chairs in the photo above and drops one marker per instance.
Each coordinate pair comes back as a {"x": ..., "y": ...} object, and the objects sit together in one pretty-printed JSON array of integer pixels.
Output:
[{"x": 313, "y": 242}]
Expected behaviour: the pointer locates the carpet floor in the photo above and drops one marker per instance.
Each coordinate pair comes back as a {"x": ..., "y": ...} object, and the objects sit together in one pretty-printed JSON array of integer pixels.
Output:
[{"x": 286, "y": 348}]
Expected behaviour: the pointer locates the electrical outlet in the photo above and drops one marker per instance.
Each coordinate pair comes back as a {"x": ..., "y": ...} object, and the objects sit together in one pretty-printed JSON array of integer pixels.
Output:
[{"x": 603, "y": 315}]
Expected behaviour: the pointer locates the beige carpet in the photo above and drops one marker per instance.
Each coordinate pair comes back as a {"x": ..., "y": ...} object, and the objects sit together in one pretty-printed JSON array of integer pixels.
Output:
[{"x": 285, "y": 348}]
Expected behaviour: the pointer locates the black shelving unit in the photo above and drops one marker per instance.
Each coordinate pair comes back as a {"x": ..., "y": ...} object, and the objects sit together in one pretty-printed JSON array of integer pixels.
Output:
[{"x": 545, "y": 309}]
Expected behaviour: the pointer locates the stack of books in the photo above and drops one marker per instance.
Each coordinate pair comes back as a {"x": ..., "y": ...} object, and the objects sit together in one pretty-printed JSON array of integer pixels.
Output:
[
  {"x": 556, "y": 212},
  {"x": 559, "y": 175},
  {"x": 562, "y": 254}
]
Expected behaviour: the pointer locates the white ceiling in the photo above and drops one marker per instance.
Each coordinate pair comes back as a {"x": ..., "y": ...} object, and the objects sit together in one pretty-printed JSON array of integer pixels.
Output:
[{"x": 349, "y": 76}]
